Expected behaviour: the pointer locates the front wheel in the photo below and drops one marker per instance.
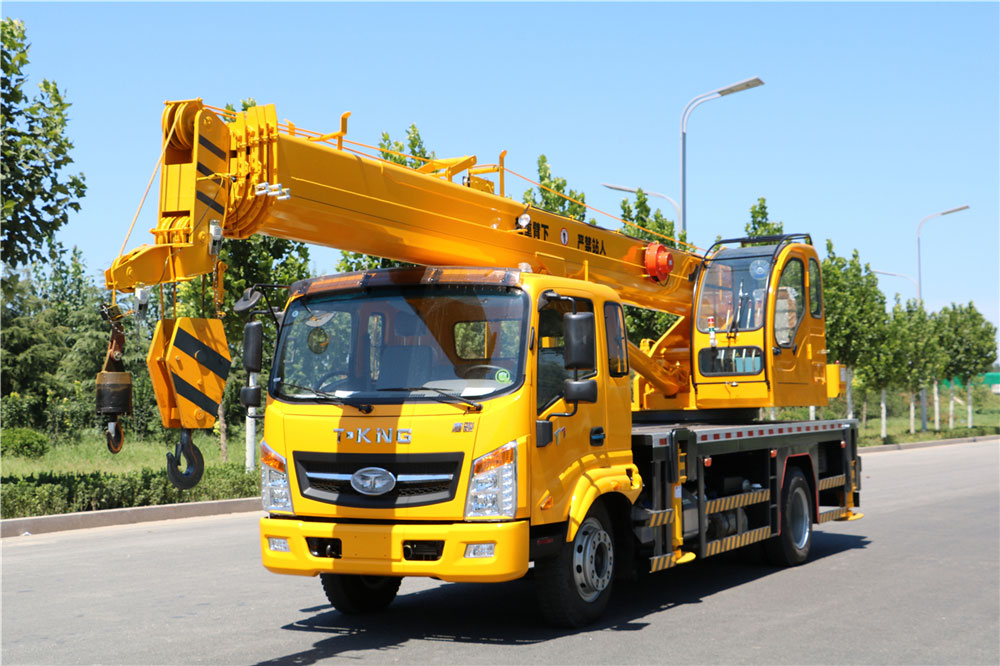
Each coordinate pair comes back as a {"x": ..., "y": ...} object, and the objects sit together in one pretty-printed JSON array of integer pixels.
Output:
[
  {"x": 791, "y": 547},
  {"x": 356, "y": 595},
  {"x": 574, "y": 586}
]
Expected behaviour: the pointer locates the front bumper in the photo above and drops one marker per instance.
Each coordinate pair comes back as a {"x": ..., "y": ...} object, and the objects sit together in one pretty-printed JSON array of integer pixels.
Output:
[{"x": 377, "y": 550}]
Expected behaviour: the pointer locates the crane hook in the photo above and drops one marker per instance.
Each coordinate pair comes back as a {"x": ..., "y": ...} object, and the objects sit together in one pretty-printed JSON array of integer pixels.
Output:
[
  {"x": 190, "y": 477},
  {"x": 115, "y": 436}
]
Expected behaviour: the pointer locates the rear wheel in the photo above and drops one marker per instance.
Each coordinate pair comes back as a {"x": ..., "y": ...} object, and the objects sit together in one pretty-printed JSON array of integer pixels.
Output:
[
  {"x": 574, "y": 586},
  {"x": 791, "y": 547},
  {"x": 355, "y": 595}
]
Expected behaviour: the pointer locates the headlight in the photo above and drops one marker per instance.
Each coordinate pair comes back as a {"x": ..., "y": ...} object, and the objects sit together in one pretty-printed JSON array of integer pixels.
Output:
[
  {"x": 275, "y": 493},
  {"x": 493, "y": 484}
]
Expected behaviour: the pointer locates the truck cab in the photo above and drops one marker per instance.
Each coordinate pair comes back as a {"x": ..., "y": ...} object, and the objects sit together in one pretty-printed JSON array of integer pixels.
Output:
[{"x": 431, "y": 421}]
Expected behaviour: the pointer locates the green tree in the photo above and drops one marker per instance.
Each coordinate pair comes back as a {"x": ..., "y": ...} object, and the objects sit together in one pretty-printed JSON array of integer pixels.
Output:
[
  {"x": 554, "y": 199},
  {"x": 36, "y": 190},
  {"x": 760, "y": 224},
  {"x": 968, "y": 344},
  {"x": 879, "y": 369},
  {"x": 854, "y": 309},
  {"x": 643, "y": 323},
  {"x": 920, "y": 351},
  {"x": 397, "y": 153}
]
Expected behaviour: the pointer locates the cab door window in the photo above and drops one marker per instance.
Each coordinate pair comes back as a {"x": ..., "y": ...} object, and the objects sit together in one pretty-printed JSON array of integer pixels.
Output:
[
  {"x": 789, "y": 302},
  {"x": 815, "y": 290},
  {"x": 614, "y": 326},
  {"x": 552, "y": 370}
]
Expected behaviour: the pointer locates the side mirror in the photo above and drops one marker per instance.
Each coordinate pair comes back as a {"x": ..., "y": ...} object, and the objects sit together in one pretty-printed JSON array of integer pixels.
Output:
[
  {"x": 253, "y": 341},
  {"x": 250, "y": 396},
  {"x": 580, "y": 353},
  {"x": 580, "y": 390},
  {"x": 247, "y": 301}
]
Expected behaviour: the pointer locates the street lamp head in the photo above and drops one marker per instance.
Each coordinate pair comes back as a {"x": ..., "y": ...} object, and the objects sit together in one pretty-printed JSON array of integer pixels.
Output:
[
  {"x": 742, "y": 85},
  {"x": 954, "y": 210}
]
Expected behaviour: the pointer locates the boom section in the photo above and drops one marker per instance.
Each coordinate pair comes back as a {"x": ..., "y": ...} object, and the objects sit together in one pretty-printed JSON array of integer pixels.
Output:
[{"x": 254, "y": 175}]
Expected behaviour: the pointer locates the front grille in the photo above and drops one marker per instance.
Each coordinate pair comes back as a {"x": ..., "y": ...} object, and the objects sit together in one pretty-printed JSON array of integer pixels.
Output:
[{"x": 420, "y": 478}]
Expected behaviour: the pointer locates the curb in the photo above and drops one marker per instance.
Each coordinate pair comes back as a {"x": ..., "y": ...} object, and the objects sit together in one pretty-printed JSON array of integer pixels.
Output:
[
  {"x": 85, "y": 519},
  {"x": 923, "y": 445}
]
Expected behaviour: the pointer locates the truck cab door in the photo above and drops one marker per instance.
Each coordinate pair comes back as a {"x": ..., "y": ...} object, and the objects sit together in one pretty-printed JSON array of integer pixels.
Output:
[{"x": 578, "y": 441}]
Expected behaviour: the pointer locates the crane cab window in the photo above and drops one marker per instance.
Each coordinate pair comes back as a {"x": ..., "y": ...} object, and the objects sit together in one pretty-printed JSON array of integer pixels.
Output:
[
  {"x": 815, "y": 290},
  {"x": 552, "y": 370},
  {"x": 732, "y": 292},
  {"x": 789, "y": 302}
]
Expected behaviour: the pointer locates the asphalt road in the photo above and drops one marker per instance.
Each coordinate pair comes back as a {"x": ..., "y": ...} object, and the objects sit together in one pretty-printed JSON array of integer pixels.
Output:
[{"x": 916, "y": 581}]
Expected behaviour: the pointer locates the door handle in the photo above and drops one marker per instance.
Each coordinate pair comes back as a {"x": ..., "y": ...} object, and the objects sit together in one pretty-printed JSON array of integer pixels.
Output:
[{"x": 597, "y": 436}]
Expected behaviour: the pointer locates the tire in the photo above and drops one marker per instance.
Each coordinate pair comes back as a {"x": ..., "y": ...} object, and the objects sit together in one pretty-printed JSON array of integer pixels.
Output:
[
  {"x": 791, "y": 547},
  {"x": 574, "y": 586},
  {"x": 356, "y": 595}
]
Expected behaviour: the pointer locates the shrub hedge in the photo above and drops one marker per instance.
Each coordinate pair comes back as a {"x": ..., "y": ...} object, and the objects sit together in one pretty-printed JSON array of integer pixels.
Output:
[
  {"x": 51, "y": 493},
  {"x": 23, "y": 442}
]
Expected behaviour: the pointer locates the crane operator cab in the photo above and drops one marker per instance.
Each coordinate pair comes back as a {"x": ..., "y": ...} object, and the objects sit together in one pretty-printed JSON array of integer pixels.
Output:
[{"x": 759, "y": 335}]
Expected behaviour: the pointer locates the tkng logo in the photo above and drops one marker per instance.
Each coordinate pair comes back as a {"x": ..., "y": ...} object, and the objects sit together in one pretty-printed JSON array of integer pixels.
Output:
[
  {"x": 374, "y": 435},
  {"x": 373, "y": 481}
]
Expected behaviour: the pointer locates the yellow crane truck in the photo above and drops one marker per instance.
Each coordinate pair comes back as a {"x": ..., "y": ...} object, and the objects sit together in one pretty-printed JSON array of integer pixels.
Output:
[{"x": 484, "y": 411}]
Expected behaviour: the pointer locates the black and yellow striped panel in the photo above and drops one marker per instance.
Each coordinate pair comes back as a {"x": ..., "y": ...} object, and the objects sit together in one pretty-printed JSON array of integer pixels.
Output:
[
  {"x": 832, "y": 482},
  {"x": 659, "y": 518},
  {"x": 197, "y": 360},
  {"x": 833, "y": 514},
  {"x": 737, "y": 541},
  {"x": 661, "y": 562},
  {"x": 734, "y": 501}
]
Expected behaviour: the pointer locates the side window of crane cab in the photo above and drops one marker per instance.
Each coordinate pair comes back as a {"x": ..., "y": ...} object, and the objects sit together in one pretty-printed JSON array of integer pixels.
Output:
[
  {"x": 789, "y": 302},
  {"x": 551, "y": 351},
  {"x": 815, "y": 290}
]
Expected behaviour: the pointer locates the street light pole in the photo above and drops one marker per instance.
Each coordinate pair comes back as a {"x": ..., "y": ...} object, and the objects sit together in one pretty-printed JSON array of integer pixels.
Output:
[
  {"x": 920, "y": 299},
  {"x": 633, "y": 190},
  {"x": 701, "y": 99}
]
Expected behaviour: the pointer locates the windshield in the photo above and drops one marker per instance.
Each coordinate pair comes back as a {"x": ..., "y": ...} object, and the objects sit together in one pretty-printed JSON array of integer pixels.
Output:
[
  {"x": 445, "y": 343},
  {"x": 733, "y": 289}
]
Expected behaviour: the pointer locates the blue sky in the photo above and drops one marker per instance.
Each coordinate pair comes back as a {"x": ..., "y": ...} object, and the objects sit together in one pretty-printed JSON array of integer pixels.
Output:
[{"x": 873, "y": 116}]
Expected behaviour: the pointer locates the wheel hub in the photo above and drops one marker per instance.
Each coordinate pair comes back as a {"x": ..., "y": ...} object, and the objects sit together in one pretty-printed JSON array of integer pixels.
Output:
[{"x": 593, "y": 560}]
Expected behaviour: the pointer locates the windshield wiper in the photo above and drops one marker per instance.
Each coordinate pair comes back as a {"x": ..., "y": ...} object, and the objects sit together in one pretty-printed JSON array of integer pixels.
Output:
[
  {"x": 478, "y": 406},
  {"x": 332, "y": 397},
  {"x": 735, "y": 327}
]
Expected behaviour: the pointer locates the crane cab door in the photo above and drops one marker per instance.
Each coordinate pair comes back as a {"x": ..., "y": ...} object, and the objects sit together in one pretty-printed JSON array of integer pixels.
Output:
[{"x": 797, "y": 335}]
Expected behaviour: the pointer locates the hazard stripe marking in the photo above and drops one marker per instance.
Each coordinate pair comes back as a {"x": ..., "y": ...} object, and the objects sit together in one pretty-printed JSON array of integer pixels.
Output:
[
  {"x": 661, "y": 562},
  {"x": 737, "y": 541},
  {"x": 734, "y": 501},
  {"x": 834, "y": 514},
  {"x": 832, "y": 482},
  {"x": 204, "y": 170},
  {"x": 211, "y": 203},
  {"x": 659, "y": 518},
  {"x": 211, "y": 147},
  {"x": 189, "y": 392},
  {"x": 210, "y": 359}
]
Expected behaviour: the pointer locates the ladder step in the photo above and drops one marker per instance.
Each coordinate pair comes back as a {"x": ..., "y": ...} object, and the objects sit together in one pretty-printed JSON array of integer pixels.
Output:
[
  {"x": 661, "y": 562},
  {"x": 655, "y": 518}
]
